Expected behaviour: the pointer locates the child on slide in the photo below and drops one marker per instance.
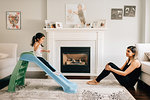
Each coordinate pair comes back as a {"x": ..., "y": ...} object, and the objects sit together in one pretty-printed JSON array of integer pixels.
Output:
[{"x": 37, "y": 41}]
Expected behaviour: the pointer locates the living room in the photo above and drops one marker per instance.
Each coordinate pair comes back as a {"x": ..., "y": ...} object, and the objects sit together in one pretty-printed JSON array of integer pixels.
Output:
[{"x": 108, "y": 42}]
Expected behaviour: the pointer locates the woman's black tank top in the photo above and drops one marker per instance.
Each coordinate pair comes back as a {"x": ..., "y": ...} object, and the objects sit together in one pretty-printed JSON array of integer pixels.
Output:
[{"x": 134, "y": 75}]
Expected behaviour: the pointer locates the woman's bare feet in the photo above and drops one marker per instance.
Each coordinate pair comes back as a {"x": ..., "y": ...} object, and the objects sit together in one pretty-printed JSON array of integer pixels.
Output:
[{"x": 93, "y": 82}]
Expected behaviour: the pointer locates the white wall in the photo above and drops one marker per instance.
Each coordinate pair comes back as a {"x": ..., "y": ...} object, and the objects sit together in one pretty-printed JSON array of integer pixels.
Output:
[
  {"x": 33, "y": 14},
  {"x": 120, "y": 33},
  {"x": 146, "y": 21}
]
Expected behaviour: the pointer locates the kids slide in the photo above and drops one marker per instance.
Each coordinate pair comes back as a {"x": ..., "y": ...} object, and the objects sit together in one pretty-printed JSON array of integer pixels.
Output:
[{"x": 18, "y": 75}]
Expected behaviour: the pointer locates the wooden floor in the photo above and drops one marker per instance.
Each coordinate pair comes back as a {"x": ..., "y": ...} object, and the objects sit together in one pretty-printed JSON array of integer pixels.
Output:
[{"x": 141, "y": 91}]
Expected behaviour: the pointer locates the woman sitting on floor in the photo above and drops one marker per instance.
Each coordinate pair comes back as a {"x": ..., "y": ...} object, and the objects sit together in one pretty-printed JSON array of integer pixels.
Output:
[{"x": 127, "y": 75}]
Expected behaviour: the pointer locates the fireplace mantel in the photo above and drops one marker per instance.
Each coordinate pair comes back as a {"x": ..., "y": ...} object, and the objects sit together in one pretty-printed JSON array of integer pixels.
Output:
[
  {"x": 75, "y": 29},
  {"x": 76, "y": 37}
]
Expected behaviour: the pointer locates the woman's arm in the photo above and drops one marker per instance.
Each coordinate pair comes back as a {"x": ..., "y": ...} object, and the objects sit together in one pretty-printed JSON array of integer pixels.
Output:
[
  {"x": 124, "y": 64},
  {"x": 132, "y": 67}
]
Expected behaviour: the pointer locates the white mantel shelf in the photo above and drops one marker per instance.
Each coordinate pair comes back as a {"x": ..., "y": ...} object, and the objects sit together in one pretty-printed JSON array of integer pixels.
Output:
[{"x": 75, "y": 29}]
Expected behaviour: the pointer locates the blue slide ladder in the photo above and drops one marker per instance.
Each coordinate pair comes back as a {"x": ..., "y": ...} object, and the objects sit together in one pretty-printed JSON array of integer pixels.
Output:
[{"x": 68, "y": 87}]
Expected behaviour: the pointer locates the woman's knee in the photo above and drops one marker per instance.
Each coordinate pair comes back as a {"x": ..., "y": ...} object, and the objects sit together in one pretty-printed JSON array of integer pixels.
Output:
[{"x": 110, "y": 64}]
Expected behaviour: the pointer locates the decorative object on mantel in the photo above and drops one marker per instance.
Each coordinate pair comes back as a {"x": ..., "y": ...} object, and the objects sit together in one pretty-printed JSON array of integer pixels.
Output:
[
  {"x": 102, "y": 23},
  {"x": 88, "y": 25},
  {"x": 13, "y": 20},
  {"x": 116, "y": 14},
  {"x": 59, "y": 25},
  {"x": 77, "y": 26},
  {"x": 49, "y": 24},
  {"x": 75, "y": 14},
  {"x": 129, "y": 11},
  {"x": 95, "y": 24}
]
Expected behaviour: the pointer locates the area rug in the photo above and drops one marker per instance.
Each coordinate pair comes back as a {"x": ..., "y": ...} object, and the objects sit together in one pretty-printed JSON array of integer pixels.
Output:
[{"x": 48, "y": 89}]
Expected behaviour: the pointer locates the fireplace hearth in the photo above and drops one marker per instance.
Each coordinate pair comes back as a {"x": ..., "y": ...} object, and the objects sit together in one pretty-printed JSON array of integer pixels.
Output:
[{"x": 75, "y": 59}]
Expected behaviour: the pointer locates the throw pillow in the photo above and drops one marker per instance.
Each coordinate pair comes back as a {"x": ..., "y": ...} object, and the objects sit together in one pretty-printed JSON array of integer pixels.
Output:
[
  {"x": 148, "y": 55},
  {"x": 3, "y": 55}
]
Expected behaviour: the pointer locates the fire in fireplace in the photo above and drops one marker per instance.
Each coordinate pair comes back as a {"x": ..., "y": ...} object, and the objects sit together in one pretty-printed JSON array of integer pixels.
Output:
[{"x": 75, "y": 59}]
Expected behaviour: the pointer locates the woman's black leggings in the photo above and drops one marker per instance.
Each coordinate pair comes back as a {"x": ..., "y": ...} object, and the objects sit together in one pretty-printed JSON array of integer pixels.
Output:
[
  {"x": 46, "y": 63},
  {"x": 123, "y": 80}
]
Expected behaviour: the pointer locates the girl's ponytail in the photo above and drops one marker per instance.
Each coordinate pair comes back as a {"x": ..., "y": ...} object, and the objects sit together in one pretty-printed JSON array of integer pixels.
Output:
[
  {"x": 36, "y": 37},
  {"x": 33, "y": 40}
]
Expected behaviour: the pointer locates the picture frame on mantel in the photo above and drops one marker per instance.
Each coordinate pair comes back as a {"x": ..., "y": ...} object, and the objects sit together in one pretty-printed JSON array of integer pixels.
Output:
[
  {"x": 102, "y": 23},
  {"x": 13, "y": 20},
  {"x": 59, "y": 25}
]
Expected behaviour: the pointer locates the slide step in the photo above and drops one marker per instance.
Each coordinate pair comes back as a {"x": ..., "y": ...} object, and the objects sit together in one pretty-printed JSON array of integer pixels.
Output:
[
  {"x": 21, "y": 73},
  {"x": 18, "y": 75}
]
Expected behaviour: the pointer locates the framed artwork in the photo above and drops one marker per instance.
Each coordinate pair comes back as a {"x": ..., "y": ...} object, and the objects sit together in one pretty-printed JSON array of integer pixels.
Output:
[
  {"x": 13, "y": 20},
  {"x": 129, "y": 11},
  {"x": 116, "y": 14},
  {"x": 75, "y": 14},
  {"x": 59, "y": 25}
]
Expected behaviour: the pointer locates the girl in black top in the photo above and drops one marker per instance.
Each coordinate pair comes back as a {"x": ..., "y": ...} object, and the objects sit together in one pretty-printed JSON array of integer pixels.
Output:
[{"x": 127, "y": 75}]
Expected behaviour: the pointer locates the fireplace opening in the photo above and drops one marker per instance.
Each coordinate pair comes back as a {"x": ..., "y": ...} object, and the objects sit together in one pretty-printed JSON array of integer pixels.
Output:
[{"x": 75, "y": 59}]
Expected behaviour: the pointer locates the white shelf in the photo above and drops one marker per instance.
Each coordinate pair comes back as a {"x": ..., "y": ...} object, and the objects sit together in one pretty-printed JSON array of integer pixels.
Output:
[{"x": 75, "y": 29}]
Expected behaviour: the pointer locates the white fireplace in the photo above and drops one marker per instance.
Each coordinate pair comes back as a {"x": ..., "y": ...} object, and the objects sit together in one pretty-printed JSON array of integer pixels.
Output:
[{"x": 76, "y": 37}]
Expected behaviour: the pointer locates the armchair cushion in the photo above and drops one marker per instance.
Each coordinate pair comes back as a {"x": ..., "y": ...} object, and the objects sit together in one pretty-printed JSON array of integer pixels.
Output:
[
  {"x": 3, "y": 55},
  {"x": 146, "y": 66},
  {"x": 148, "y": 55},
  {"x": 8, "y": 58},
  {"x": 142, "y": 48},
  {"x": 9, "y": 48}
]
